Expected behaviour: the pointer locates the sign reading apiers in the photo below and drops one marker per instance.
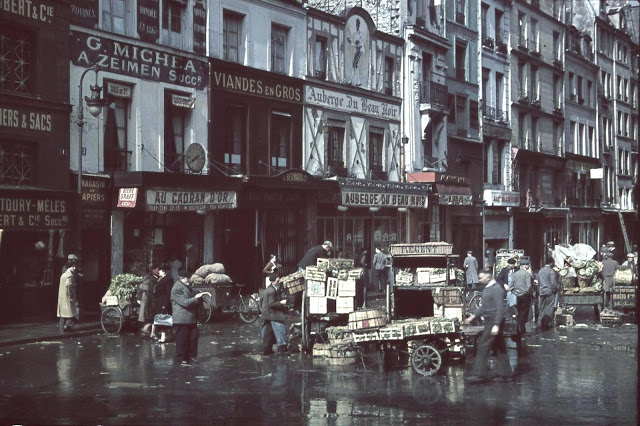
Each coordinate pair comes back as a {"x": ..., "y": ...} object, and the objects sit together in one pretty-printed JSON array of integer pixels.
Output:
[{"x": 185, "y": 201}]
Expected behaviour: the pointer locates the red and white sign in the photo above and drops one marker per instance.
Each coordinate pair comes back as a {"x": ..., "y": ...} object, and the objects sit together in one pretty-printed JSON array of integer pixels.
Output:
[{"x": 127, "y": 197}]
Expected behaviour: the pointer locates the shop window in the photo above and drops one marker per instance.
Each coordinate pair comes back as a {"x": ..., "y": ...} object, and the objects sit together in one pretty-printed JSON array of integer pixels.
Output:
[
  {"x": 116, "y": 153},
  {"x": 280, "y": 141},
  {"x": 114, "y": 16},
  {"x": 278, "y": 48},
  {"x": 321, "y": 58},
  {"x": 335, "y": 151},
  {"x": 176, "y": 114},
  {"x": 172, "y": 15},
  {"x": 17, "y": 162},
  {"x": 388, "y": 76},
  {"x": 16, "y": 66},
  {"x": 234, "y": 139},
  {"x": 376, "y": 140},
  {"x": 232, "y": 26}
]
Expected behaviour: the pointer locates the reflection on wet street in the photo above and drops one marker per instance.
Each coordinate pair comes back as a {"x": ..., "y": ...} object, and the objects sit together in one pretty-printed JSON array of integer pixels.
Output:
[{"x": 580, "y": 375}]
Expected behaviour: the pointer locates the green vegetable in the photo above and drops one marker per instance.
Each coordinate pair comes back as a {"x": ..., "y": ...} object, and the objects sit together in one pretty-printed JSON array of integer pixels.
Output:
[{"x": 124, "y": 285}]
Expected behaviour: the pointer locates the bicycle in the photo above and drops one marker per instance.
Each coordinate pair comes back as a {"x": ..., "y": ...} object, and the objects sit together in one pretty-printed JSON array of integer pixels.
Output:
[{"x": 230, "y": 300}]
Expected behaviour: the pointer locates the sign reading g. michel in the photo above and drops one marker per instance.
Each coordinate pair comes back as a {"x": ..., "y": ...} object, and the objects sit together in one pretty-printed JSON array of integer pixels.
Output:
[{"x": 137, "y": 61}]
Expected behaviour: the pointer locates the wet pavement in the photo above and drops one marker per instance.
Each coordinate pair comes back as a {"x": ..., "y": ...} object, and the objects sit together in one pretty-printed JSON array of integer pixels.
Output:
[{"x": 580, "y": 375}]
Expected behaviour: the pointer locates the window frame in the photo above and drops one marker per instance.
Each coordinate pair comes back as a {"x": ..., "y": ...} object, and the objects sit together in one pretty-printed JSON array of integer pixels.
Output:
[
  {"x": 168, "y": 36},
  {"x": 28, "y": 77},
  {"x": 12, "y": 173},
  {"x": 108, "y": 16},
  {"x": 320, "y": 56},
  {"x": 233, "y": 148},
  {"x": 279, "y": 145},
  {"x": 279, "y": 50},
  {"x": 230, "y": 17},
  {"x": 389, "y": 67}
]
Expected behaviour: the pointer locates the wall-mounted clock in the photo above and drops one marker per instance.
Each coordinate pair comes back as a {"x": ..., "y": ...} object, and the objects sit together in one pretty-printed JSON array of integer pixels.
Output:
[{"x": 195, "y": 157}]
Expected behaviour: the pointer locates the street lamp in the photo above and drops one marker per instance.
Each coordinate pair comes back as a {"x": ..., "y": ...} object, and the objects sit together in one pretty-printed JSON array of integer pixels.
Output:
[{"x": 94, "y": 104}]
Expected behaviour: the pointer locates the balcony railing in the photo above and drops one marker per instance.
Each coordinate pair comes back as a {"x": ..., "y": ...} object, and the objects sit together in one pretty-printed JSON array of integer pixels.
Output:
[
  {"x": 557, "y": 107},
  {"x": 434, "y": 94},
  {"x": 533, "y": 46},
  {"x": 522, "y": 42},
  {"x": 523, "y": 95},
  {"x": 488, "y": 42},
  {"x": 460, "y": 18},
  {"x": 502, "y": 116},
  {"x": 489, "y": 112}
]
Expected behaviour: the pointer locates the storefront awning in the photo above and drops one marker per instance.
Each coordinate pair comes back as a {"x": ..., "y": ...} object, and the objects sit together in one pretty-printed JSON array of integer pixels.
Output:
[{"x": 372, "y": 193}]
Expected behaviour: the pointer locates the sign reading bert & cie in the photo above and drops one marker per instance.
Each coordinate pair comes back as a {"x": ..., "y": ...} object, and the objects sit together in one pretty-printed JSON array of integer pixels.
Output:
[
  {"x": 149, "y": 19},
  {"x": 185, "y": 201},
  {"x": 353, "y": 104},
  {"x": 37, "y": 10},
  {"x": 33, "y": 211},
  {"x": 18, "y": 118},
  {"x": 381, "y": 199},
  {"x": 137, "y": 61}
]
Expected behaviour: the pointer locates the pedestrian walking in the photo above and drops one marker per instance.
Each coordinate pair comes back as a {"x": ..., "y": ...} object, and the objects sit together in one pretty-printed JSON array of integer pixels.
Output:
[
  {"x": 492, "y": 338},
  {"x": 145, "y": 298},
  {"x": 522, "y": 289},
  {"x": 67, "y": 300},
  {"x": 548, "y": 288},
  {"x": 274, "y": 307},
  {"x": 470, "y": 266},
  {"x": 609, "y": 266},
  {"x": 489, "y": 257},
  {"x": 379, "y": 264},
  {"x": 362, "y": 261},
  {"x": 185, "y": 303}
]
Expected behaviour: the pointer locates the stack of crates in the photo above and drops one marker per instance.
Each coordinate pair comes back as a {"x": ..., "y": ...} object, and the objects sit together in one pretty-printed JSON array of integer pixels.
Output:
[{"x": 330, "y": 289}]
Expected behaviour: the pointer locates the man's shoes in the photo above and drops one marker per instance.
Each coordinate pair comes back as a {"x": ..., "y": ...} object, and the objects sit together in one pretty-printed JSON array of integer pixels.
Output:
[{"x": 474, "y": 380}]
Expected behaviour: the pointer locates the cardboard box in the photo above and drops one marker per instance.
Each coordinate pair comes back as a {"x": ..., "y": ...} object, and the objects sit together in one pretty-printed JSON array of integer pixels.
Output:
[
  {"x": 316, "y": 288},
  {"x": 344, "y": 305},
  {"x": 317, "y": 305},
  {"x": 347, "y": 288}
]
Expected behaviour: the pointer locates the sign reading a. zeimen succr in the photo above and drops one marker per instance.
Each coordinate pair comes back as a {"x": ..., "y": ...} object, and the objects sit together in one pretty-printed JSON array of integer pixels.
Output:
[{"x": 184, "y": 201}]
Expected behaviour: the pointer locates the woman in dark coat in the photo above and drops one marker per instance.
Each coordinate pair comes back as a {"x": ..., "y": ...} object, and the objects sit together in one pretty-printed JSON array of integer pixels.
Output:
[
  {"x": 185, "y": 302},
  {"x": 145, "y": 288}
]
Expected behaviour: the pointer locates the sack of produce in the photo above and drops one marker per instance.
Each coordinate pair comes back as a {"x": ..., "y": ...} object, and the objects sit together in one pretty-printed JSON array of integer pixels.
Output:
[
  {"x": 205, "y": 270},
  {"x": 215, "y": 278},
  {"x": 196, "y": 280}
]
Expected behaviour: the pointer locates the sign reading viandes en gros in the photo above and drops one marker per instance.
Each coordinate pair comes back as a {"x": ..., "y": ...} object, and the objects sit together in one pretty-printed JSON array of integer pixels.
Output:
[{"x": 185, "y": 201}]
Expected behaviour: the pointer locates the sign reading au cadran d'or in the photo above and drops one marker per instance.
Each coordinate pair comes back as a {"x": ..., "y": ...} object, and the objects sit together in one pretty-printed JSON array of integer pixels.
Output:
[
  {"x": 183, "y": 201},
  {"x": 137, "y": 61},
  {"x": 24, "y": 210}
]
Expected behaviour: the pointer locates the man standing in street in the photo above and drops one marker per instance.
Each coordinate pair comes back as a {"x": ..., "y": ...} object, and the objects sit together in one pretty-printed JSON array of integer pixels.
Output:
[
  {"x": 609, "y": 267},
  {"x": 185, "y": 302},
  {"x": 493, "y": 310},
  {"x": 379, "y": 264},
  {"x": 522, "y": 288},
  {"x": 548, "y": 287},
  {"x": 67, "y": 301},
  {"x": 273, "y": 314},
  {"x": 471, "y": 268},
  {"x": 506, "y": 274}
]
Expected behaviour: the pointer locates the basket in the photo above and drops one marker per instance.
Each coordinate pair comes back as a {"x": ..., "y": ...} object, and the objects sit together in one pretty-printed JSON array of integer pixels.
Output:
[
  {"x": 339, "y": 335},
  {"x": 623, "y": 276},
  {"x": 342, "y": 355},
  {"x": 367, "y": 318}
]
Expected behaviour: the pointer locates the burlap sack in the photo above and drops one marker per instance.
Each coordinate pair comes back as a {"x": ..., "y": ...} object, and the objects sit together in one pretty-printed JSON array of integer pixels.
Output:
[
  {"x": 205, "y": 270},
  {"x": 196, "y": 280},
  {"x": 215, "y": 278}
]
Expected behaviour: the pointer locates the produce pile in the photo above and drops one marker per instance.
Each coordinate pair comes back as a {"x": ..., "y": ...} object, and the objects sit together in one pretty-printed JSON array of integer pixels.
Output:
[
  {"x": 123, "y": 286},
  {"x": 579, "y": 272},
  {"x": 212, "y": 275}
]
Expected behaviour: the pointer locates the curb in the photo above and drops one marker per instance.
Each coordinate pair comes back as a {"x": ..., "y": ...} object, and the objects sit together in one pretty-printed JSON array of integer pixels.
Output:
[{"x": 50, "y": 337}]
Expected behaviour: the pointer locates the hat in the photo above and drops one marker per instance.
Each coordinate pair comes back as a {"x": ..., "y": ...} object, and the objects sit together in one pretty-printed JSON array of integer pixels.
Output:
[
  {"x": 525, "y": 262},
  {"x": 631, "y": 255},
  {"x": 469, "y": 252},
  {"x": 610, "y": 243},
  {"x": 72, "y": 257},
  {"x": 328, "y": 244},
  {"x": 511, "y": 261}
]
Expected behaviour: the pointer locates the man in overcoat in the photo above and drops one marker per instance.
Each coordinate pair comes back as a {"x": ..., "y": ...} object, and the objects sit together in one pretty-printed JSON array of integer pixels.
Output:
[
  {"x": 67, "y": 301},
  {"x": 609, "y": 266},
  {"x": 548, "y": 288},
  {"x": 185, "y": 302},
  {"x": 471, "y": 268}
]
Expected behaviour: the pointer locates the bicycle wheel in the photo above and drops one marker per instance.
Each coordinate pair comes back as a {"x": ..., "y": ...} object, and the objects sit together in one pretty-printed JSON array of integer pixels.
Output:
[
  {"x": 205, "y": 310},
  {"x": 248, "y": 309},
  {"x": 112, "y": 319}
]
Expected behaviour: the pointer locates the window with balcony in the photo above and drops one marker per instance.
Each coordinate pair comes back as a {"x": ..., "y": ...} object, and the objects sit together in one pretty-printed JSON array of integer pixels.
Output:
[
  {"x": 557, "y": 93},
  {"x": 117, "y": 155},
  {"x": 557, "y": 51},
  {"x": 376, "y": 138},
  {"x": 234, "y": 139},
  {"x": 232, "y": 25},
  {"x": 535, "y": 86},
  {"x": 487, "y": 34},
  {"x": 17, "y": 163},
  {"x": 522, "y": 78},
  {"x": 335, "y": 148},
  {"x": 172, "y": 16},
  {"x": 278, "y": 48},
  {"x": 592, "y": 147},
  {"x": 473, "y": 115},
  {"x": 17, "y": 64},
  {"x": 461, "y": 60},
  {"x": 461, "y": 7},
  {"x": 320, "y": 58},
  {"x": 488, "y": 110},
  {"x": 589, "y": 94},
  {"x": 581, "y": 143},
  {"x": 557, "y": 139},
  {"x": 451, "y": 100},
  {"x": 281, "y": 128},
  {"x": 533, "y": 40},
  {"x": 572, "y": 87},
  {"x": 388, "y": 75},
  {"x": 461, "y": 116},
  {"x": 619, "y": 86},
  {"x": 501, "y": 111},
  {"x": 114, "y": 16},
  {"x": 535, "y": 142}
]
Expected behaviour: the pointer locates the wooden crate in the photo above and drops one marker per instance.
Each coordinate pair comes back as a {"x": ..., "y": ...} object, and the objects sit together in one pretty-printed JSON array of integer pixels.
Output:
[
  {"x": 293, "y": 287},
  {"x": 343, "y": 274},
  {"x": 332, "y": 288},
  {"x": 356, "y": 273},
  {"x": 339, "y": 335},
  {"x": 296, "y": 276},
  {"x": 321, "y": 350},
  {"x": 317, "y": 305},
  {"x": 342, "y": 355},
  {"x": 366, "y": 336},
  {"x": 347, "y": 287},
  {"x": 314, "y": 274},
  {"x": 367, "y": 318},
  {"x": 448, "y": 296},
  {"x": 344, "y": 305},
  {"x": 316, "y": 288},
  {"x": 334, "y": 264},
  {"x": 391, "y": 332}
]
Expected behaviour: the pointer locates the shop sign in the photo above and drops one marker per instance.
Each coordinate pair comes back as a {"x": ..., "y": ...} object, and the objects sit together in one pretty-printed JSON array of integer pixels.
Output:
[
  {"x": 137, "y": 61},
  {"x": 95, "y": 200},
  {"x": 84, "y": 13},
  {"x": 583, "y": 217},
  {"x": 501, "y": 198},
  {"x": 36, "y": 10},
  {"x": 183, "y": 101},
  {"x": 34, "y": 212},
  {"x": 421, "y": 249},
  {"x": 23, "y": 119},
  {"x": 118, "y": 90},
  {"x": 295, "y": 176},
  {"x": 200, "y": 27},
  {"x": 149, "y": 19},
  {"x": 256, "y": 86},
  {"x": 624, "y": 296},
  {"x": 442, "y": 178},
  {"x": 382, "y": 199},
  {"x": 185, "y": 201},
  {"x": 351, "y": 104},
  {"x": 454, "y": 199},
  {"x": 127, "y": 197}
]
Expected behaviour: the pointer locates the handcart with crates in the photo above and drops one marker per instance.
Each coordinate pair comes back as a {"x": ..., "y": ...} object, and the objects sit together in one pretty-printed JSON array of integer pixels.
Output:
[{"x": 118, "y": 311}]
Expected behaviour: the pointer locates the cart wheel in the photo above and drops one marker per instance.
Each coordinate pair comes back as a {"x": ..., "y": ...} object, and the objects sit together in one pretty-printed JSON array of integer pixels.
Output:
[
  {"x": 205, "y": 310},
  {"x": 248, "y": 309},
  {"x": 307, "y": 343},
  {"x": 112, "y": 319},
  {"x": 426, "y": 360}
]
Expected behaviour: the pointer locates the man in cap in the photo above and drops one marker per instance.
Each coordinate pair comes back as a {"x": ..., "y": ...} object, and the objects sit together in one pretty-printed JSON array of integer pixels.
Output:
[
  {"x": 522, "y": 287},
  {"x": 506, "y": 274},
  {"x": 609, "y": 266},
  {"x": 311, "y": 259},
  {"x": 633, "y": 265},
  {"x": 471, "y": 268}
]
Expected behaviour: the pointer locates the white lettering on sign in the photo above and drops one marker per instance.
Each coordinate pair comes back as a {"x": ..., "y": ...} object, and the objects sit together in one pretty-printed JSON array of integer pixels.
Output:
[
  {"x": 32, "y": 9},
  {"x": 374, "y": 199},
  {"x": 26, "y": 120},
  {"x": 178, "y": 201},
  {"x": 127, "y": 197},
  {"x": 348, "y": 103},
  {"x": 501, "y": 198}
]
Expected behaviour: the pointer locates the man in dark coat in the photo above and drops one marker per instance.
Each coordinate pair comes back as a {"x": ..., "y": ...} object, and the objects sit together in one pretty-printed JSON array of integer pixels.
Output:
[
  {"x": 522, "y": 288},
  {"x": 548, "y": 288},
  {"x": 273, "y": 313},
  {"x": 493, "y": 311},
  {"x": 185, "y": 302},
  {"x": 609, "y": 267},
  {"x": 505, "y": 275},
  {"x": 311, "y": 257}
]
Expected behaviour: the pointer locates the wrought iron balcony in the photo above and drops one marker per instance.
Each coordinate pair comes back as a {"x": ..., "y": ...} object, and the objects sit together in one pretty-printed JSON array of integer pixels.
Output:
[
  {"x": 488, "y": 42},
  {"x": 489, "y": 112},
  {"x": 522, "y": 42},
  {"x": 523, "y": 95},
  {"x": 434, "y": 94},
  {"x": 502, "y": 116}
]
